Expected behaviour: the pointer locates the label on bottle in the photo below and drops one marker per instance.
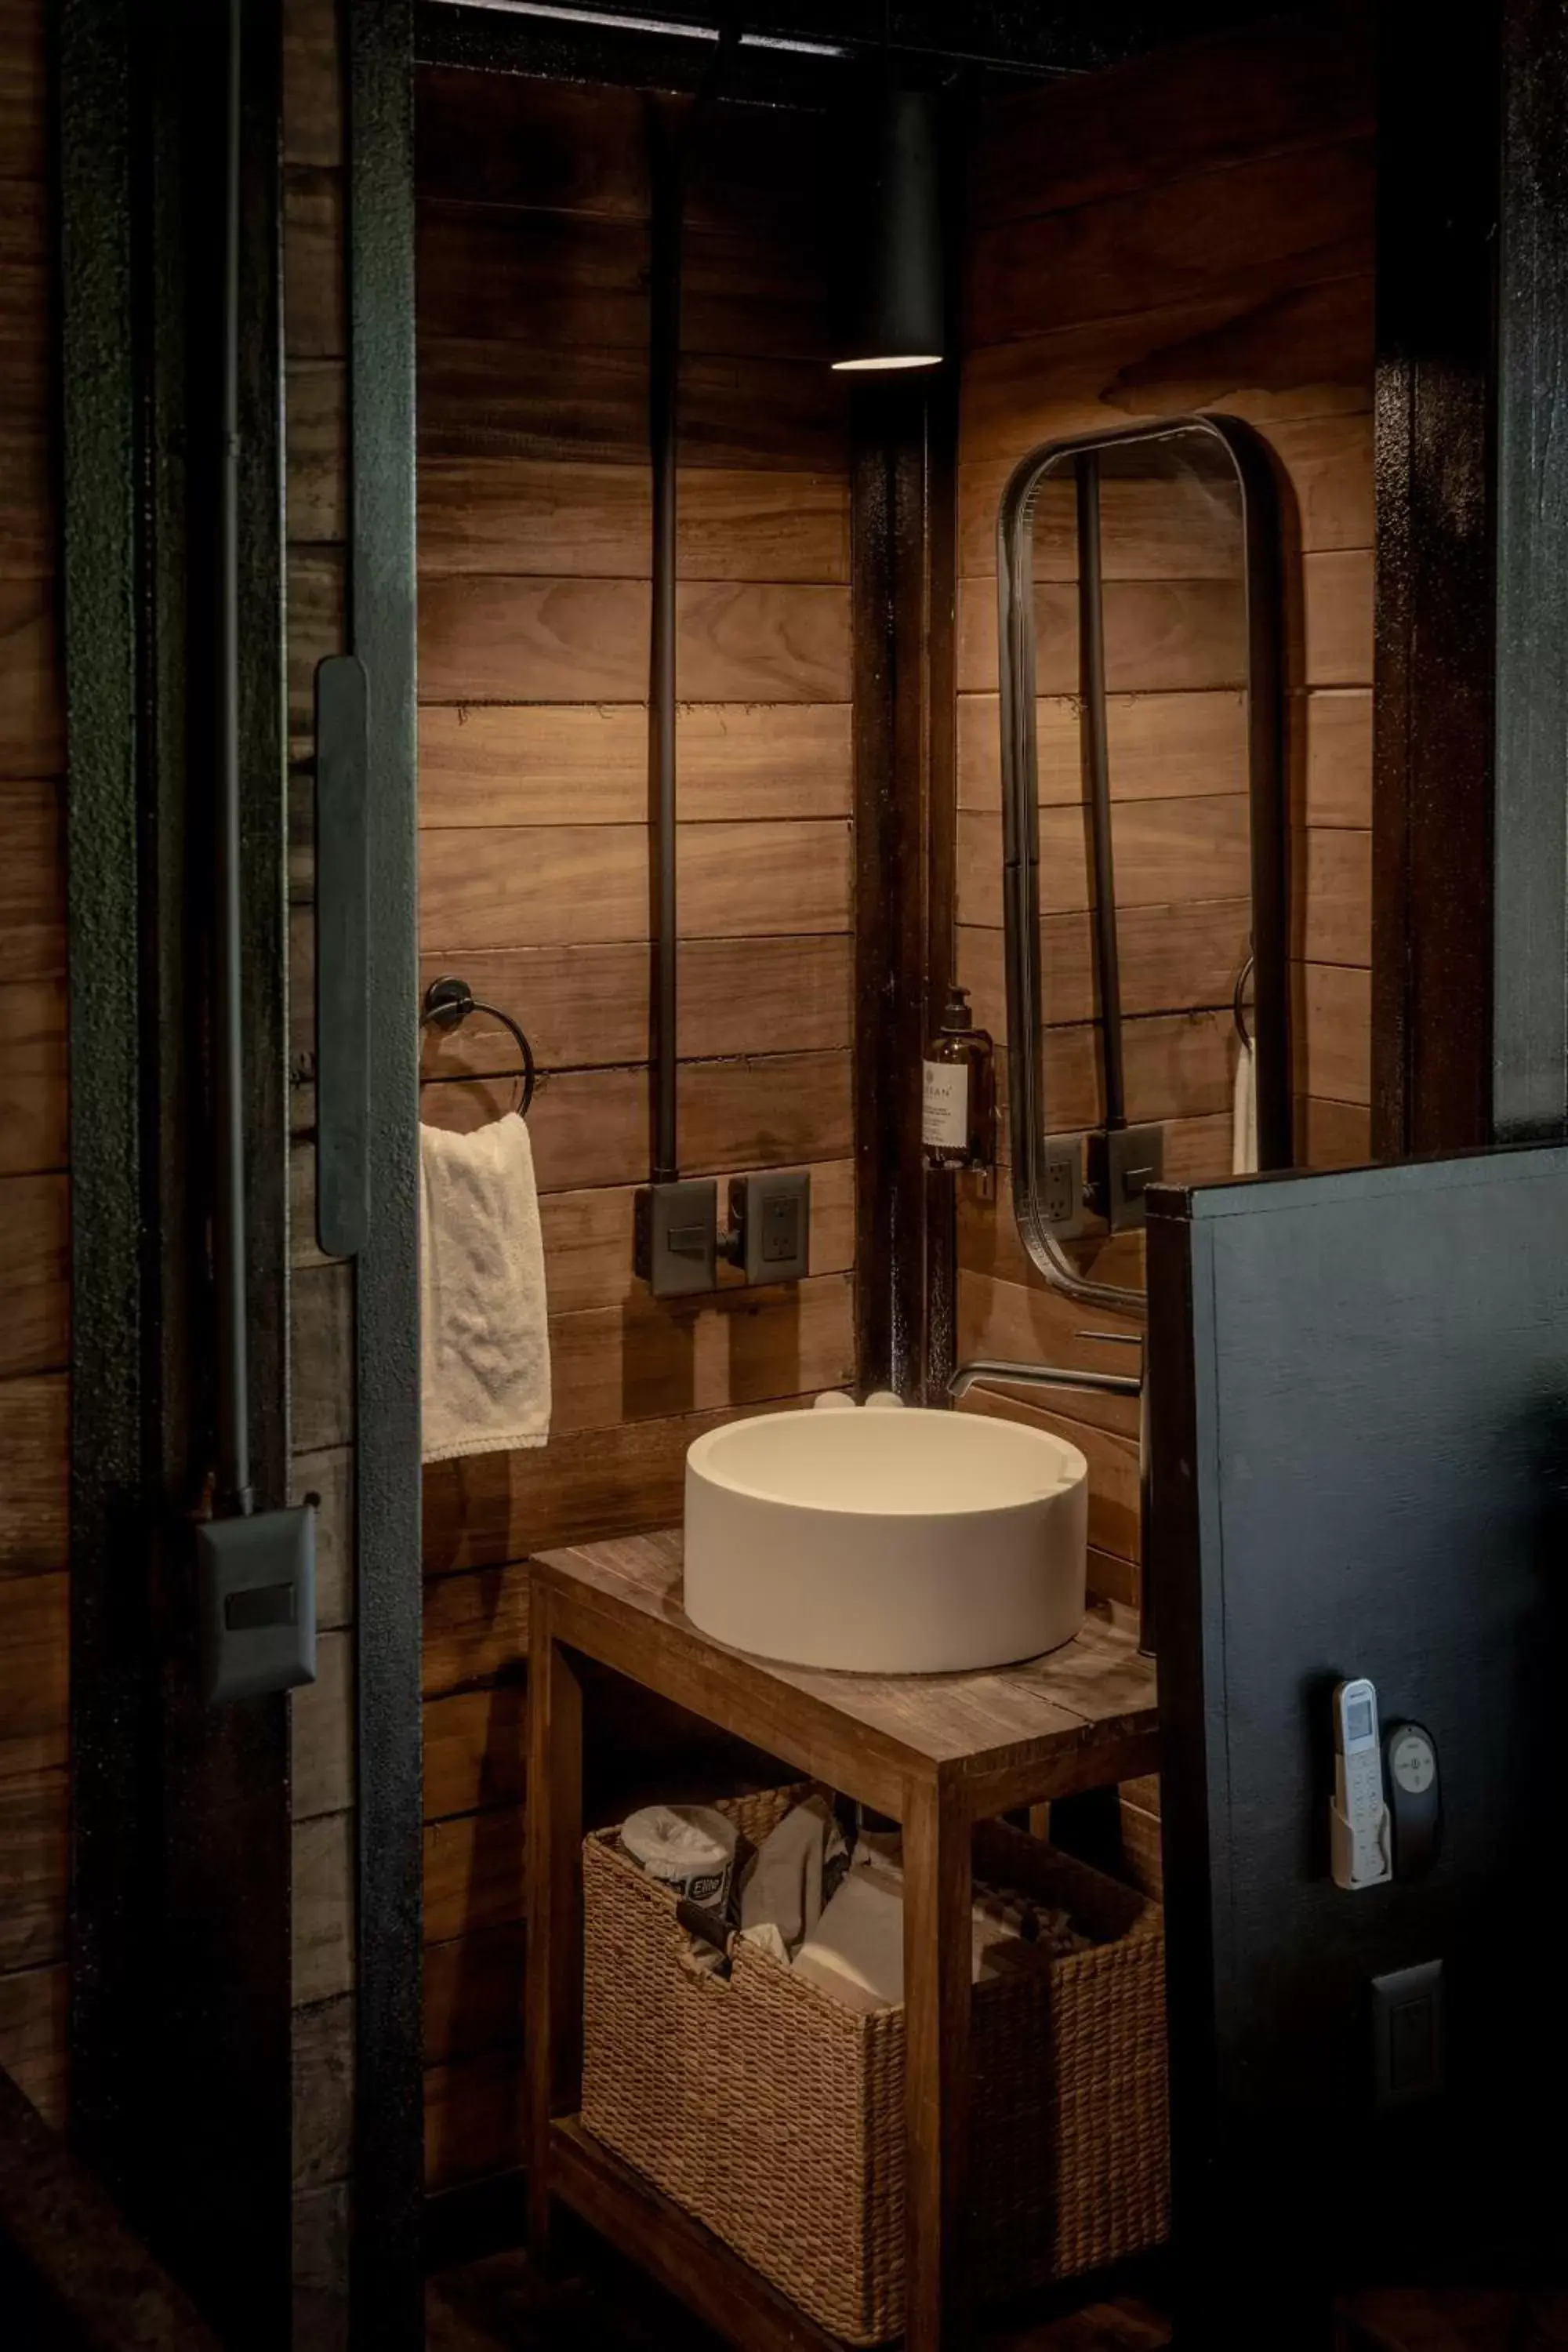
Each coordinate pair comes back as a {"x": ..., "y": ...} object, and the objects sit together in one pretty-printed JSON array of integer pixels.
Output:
[{"x": 945, "y": 1109}]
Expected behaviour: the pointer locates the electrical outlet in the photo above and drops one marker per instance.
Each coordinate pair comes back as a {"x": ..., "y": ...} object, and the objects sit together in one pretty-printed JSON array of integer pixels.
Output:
[
  {"x": 1122, "y": 1165},
  {"x": 769, "y": 1236},
  {"x": 675, "y": 1238},
  {"x": 1062, "y": 1185}
]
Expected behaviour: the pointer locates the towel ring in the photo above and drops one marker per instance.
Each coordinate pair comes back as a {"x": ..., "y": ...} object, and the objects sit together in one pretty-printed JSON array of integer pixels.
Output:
[
  {"x": 1236, "y": 1014},
  {"x": 448, "y": 1003}
]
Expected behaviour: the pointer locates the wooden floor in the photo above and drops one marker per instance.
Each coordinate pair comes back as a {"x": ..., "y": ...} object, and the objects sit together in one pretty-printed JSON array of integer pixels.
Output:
[
  {"x": 1454, "y": 2321},
  {"x": 498, "y": 2306}
]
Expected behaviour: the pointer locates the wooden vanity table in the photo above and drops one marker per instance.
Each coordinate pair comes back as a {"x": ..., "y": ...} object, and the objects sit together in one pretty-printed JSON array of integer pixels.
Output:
[{"x": 938, "y": 1752}]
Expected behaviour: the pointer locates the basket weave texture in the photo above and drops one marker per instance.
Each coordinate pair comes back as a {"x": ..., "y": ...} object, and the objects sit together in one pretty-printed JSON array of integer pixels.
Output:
[{"x": 774, "y": 2113}]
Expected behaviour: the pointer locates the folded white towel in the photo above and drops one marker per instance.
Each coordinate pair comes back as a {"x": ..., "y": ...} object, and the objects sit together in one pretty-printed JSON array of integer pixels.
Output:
[
  {"x": 1243, "y": 1116},
  {"x": 484, "y": 1346},
  {"x": 856, "y": 1948}
]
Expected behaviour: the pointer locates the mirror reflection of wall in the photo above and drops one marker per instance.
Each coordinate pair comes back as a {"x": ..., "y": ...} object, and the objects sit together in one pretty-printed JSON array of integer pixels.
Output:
[{"x": 1175, "y": 666}]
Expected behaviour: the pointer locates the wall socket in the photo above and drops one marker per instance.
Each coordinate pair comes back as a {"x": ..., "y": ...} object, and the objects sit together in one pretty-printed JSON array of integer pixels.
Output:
[
  {"x": 770, "y": 1225},
  {"x": 677, "y": 1244},
  {"x": 1062, "y": 1185}
]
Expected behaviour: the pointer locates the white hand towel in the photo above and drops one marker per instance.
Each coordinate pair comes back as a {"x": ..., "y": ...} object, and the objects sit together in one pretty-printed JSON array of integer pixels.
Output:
[
  {"x": 484, "y": 1340},
  {"x": 782, "y": 1889},
  {"x": 1243, "y": 1116}
]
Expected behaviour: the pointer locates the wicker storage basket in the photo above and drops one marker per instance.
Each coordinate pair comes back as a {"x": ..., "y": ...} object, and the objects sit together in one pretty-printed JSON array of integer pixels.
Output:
[{"x": 774, "y": 2113}]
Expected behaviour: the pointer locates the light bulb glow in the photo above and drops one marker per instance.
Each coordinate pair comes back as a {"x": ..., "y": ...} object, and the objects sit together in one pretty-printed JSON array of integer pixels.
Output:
[{"x": 904, "y": 360}]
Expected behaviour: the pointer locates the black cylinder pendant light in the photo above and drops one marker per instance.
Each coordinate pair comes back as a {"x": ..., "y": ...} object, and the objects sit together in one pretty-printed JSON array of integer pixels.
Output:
[{"x": 891, "y": 310}]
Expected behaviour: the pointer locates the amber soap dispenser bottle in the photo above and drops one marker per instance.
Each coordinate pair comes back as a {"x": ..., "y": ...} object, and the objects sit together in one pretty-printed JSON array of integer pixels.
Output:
[{"x": 958, "y": 1115}]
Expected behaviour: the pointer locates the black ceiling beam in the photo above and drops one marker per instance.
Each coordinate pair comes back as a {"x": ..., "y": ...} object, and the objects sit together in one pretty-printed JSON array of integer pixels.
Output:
[
  {"x": 1001, "y": 39},
  {"x": 495, "y": 40}
]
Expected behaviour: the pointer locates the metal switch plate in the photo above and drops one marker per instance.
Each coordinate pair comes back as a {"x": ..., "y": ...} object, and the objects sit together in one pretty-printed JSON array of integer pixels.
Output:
[
  {"x": 1408, "y": 2058},
  {"x": 1122, "y": 1165},
  {"x": 770, "y": 1225},
  {"x": 256, "y": 1580},
  {"x": 676, "y": 1233}
]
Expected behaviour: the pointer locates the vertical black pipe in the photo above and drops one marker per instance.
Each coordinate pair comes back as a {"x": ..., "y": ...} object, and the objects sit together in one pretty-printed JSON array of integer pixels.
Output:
[
  {"x": 1096, "y": 765},
  {"x": 234, "y": 1490},
  {"x": 664, "y": 367}
]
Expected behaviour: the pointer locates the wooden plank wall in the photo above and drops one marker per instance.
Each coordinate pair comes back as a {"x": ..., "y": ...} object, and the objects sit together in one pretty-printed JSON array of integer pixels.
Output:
[
  {"x": 1192, "y": 231},
  {"x": 533, "y": 653},
  {"x": 33, "y": 1205},
  {"x": 321, "y": 1335}
]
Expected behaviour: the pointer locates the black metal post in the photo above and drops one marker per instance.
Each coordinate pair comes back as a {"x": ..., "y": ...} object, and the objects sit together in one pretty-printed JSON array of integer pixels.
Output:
[
  {"x": 664, "y": 369},
  {"x": 233, "y": 1489},
  {"x": 1528, "y": 992},
  {"x": 1446, "y": 741}
]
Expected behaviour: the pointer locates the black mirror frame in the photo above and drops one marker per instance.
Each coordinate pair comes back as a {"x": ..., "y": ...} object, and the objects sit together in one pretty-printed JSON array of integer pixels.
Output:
[{"x": 1262, "y": 577}]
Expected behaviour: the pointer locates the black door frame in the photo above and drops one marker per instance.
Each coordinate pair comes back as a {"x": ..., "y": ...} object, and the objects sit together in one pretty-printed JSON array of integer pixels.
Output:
[
  {"x": 1530, "y": 852},
  {"x": 1434, "y": 666},
  {"x": 1456, "y": 956},
  {"x": 387, "y": 2201},
  {"x": 180, "y": 1882},
  {"x": 1471, "y": 806}
]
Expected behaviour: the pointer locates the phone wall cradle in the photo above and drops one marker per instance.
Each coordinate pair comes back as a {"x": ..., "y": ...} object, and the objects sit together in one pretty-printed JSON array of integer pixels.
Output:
[{"x": 1358, "y": 1861}]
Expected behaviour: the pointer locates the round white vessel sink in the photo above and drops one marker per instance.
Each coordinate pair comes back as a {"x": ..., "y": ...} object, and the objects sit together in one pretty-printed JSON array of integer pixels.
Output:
[{"x": 894, "y": 1542}]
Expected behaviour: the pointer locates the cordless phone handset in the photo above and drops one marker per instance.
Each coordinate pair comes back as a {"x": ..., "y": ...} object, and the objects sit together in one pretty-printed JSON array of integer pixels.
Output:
[{"x": 1358, "y": 1819}]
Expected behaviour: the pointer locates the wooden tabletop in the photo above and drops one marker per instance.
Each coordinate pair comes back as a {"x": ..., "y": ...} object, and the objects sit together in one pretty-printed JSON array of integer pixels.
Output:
[{"x": 1078, "y": 1718}]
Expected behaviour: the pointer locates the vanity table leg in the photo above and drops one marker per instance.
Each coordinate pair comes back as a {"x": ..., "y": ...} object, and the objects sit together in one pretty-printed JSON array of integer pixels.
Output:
[
  {"x": 937, "y": 1958},
  {"x": 553, "y": 2038}
]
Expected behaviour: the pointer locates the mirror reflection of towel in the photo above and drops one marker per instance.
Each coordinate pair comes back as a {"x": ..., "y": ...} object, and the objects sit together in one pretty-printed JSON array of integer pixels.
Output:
[
  {"x": 484, "y": 1334},
  {"x": 1244, "y": 1115}
]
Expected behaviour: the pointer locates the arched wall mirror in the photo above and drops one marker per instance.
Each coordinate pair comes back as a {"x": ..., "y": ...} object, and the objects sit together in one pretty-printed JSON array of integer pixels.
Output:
[{"x": 1140, "y": 657}]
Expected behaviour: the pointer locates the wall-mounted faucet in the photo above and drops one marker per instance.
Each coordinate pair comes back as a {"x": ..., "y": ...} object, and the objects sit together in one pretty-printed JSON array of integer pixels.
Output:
[
  {"x": 1046, "y": 1376},
  {"x": 1076, "y": 1379}
]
